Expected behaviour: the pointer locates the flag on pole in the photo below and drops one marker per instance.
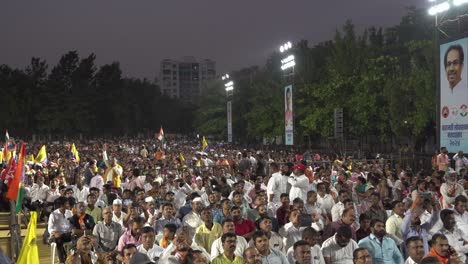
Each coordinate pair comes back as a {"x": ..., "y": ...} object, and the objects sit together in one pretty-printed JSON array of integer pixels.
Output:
[
  {"x": 29, "y": 253},
  {"x": 182, "y": 161},
  {"x": 161, "y": 135},
  {"x": 9, "y": 173},
  {"x": 41, "y": 155},
  {"x": 204, "y": 144},
  {"x": 14, "y": 186},
  {"x": 74, "y": 153}
]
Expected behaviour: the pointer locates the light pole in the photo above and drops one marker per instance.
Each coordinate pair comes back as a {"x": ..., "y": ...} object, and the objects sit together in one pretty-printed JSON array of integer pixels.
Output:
[
  {"x": 287, "y": 66},
  {"x": 229, "y": 87}
]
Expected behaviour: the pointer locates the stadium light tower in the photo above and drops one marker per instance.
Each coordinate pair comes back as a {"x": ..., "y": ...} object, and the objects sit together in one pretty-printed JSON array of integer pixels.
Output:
[{"x": 229, "y": 87}]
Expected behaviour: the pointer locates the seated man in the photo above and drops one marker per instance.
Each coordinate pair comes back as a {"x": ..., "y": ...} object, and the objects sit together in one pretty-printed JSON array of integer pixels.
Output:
[
  {"x": 362, "y": 256},
  {"x": 59, "y": 227},
  {"x": 81, "y": 223},
  {"x": 107, "y": 232},
  {"x": 340, "y": 247},
  {"x": 441, "y": 249},
  {"x": 415, "y": 250},
  {"x": 382, "y": 248},
  {"x": 148, "y": 247}
]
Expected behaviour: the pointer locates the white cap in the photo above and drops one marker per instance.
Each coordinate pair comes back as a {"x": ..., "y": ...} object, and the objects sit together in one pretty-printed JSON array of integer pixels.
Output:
[
  {"x": 149, "y": 199},
  {"x": 117, "y": 201},
  {"x": 198, "y": 178},
  {"x": 196, "y": 199}
]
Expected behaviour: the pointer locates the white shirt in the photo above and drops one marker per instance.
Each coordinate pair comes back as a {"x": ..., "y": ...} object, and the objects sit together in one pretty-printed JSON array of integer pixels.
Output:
[
  {"x": 277, "y": 185},
  {"x": 120, "y": 219},
  {"x": 291, "y": 234},
  {"x": 217, "y": 247},
  {"x": 393, "y": 226},
  {"x": 97, "y": 181},
  {"x": 275, "y": 242},
  {"x": 299, "y": 186},
  {"x": 153, "y": 253},
  {"x": 409, "y": 260},
  {"x": 326, "y": 202},
  {"x": 460, "y": 162},
  {"x": 337, "y": 211},
  {"x": 456, "y": 240},
  {"x": 39, "y": 193},
  {"x": 338, "y": 254},
  {"x": 315, "y": 253},
  {"x": 192, "y": 220},
  {"x": 58, "y": 222},
  {"x": 80, "y": 195},
  {"x": 450, "y": 188}
]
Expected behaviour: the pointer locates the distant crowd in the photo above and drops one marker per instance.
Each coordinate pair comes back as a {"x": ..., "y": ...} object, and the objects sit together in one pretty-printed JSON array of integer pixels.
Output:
[{"x": 146, "y": 201}]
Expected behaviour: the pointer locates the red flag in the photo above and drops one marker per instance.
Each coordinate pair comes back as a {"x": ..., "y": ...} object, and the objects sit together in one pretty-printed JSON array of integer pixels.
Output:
[
  {"x": 9, "y": 172},
  {"x": 12, "y": 192}
]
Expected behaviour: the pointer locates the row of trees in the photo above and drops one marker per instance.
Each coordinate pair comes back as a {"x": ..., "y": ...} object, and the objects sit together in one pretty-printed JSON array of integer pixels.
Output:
[
  {"x": 78, "y": 97},
  {"x": 383, "y": 79}
]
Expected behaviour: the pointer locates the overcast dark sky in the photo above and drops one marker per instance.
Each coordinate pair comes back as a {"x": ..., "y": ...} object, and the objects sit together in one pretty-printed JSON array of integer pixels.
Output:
[{"x": 235, "y": 33}]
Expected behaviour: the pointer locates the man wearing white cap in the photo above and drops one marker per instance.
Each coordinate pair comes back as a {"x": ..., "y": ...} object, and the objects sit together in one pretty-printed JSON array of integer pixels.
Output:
[
  {"x": 150, "y": 214},
  {"x": 117, "y": 215},
  {"x": 193, "y": 219}
]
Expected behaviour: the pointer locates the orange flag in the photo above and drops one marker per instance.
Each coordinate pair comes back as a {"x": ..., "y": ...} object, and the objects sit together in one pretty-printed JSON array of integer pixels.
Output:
[{"x": 12, "y": 192}]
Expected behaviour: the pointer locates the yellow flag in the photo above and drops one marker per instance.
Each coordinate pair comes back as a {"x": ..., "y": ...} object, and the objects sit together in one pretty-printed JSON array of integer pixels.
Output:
[
  {"x": 204, "y": 144},
  {"x": 42, "y": 155},
  {"x": 182, "y": 161},
  {"x": 74, "y": 153},
  {"x": 30, "y": 158},
  {"x": 29, "y": 253}
]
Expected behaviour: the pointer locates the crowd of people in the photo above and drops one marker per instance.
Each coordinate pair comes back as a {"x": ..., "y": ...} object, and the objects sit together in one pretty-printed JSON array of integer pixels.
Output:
[{"x": 140, "y": 201}]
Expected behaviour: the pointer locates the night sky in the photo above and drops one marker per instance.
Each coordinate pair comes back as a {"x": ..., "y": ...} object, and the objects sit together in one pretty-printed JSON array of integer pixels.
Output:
[{"x": 139, "y": 34}]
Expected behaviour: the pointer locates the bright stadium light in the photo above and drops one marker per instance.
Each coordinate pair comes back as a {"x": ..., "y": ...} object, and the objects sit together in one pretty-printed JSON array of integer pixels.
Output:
[
  {"x": 230, "y": 88},
  {"x": 287, "y": 59},
  {"x": 230, "y": 83},
  {"x": 285, "y": 46},
  {"x": 459, "y": 2},
  {"x": 288, "y": 65},
  {"x": 439, "y": 8}
]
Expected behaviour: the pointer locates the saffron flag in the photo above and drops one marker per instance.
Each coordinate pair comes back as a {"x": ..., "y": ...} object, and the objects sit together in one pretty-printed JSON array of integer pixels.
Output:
[
  {"x": 41, "y": 155},
  {"x": 161, "y": 135},
  {"x": 29, "y": 253},
  {"x": 14, "y": 186},
  {"x": 204, "y": 144},
  {"x": 74, "y": 153}
]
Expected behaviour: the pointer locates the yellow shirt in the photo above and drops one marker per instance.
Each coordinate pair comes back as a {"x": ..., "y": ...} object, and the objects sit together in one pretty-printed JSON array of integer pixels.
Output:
[
  {"x": 222, "y": 259},
  {"x": 205, "y": 237}
]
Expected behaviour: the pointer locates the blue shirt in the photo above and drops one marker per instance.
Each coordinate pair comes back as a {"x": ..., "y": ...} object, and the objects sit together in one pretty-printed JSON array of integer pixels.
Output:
[{"x": 385, "y": 252}]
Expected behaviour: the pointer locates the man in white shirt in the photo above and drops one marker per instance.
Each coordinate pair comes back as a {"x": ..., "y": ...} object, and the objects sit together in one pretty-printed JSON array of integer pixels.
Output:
[
  {"x": 193, "y": 219},
  {"x": 460, "y": 213},
  {"x": 395, "y": 221},
  {"x": 97, "y": 181},
  {"x": 117, "y": 215},
  {"x": 339, "y": 248},
  {"x": 59, "y": 227},
  {"x": 453, "y": 233},
  {"x": 415, "y": 250},
  {"x": 337, "y": 209},
  {"x": 299, "y": 183},
  {"x": 148, "y": 247},
  {"x": 460, "y": 161},
  {"x": 311, "y": 236},
  {"x": 277, "y": 185},
  {"x": 217, "y": 246},
  {"x": 324, "y": 199},
  {"x": 80, "y": 192}
]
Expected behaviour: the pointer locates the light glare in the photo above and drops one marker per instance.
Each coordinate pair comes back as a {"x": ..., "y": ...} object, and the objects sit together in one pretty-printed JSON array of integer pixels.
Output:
[
  {"x": 231, "y": 83},
  {"x": 459, "y": 2},
  {"x": 439, "y": 8},
  {"x": 288, "y": 65}
]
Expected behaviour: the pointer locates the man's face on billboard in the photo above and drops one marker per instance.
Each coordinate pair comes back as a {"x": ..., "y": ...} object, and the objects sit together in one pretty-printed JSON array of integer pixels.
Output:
[{"x": 453, "y": 67}]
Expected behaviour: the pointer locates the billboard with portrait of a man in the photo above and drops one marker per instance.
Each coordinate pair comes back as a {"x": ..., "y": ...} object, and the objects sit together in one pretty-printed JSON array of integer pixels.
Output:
[{"x": 454, "y": 96}]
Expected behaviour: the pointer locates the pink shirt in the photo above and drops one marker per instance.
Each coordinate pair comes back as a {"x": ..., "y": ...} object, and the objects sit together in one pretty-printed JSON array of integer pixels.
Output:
[
  {"x": 127, "y": 238},
  {"x": 442, "y": 161}
]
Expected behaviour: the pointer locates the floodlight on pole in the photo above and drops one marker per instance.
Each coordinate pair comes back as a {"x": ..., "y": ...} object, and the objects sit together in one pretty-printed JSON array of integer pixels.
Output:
[
  {"x": 285, "y": 46},
  {"x": 440, "y": 8}
]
